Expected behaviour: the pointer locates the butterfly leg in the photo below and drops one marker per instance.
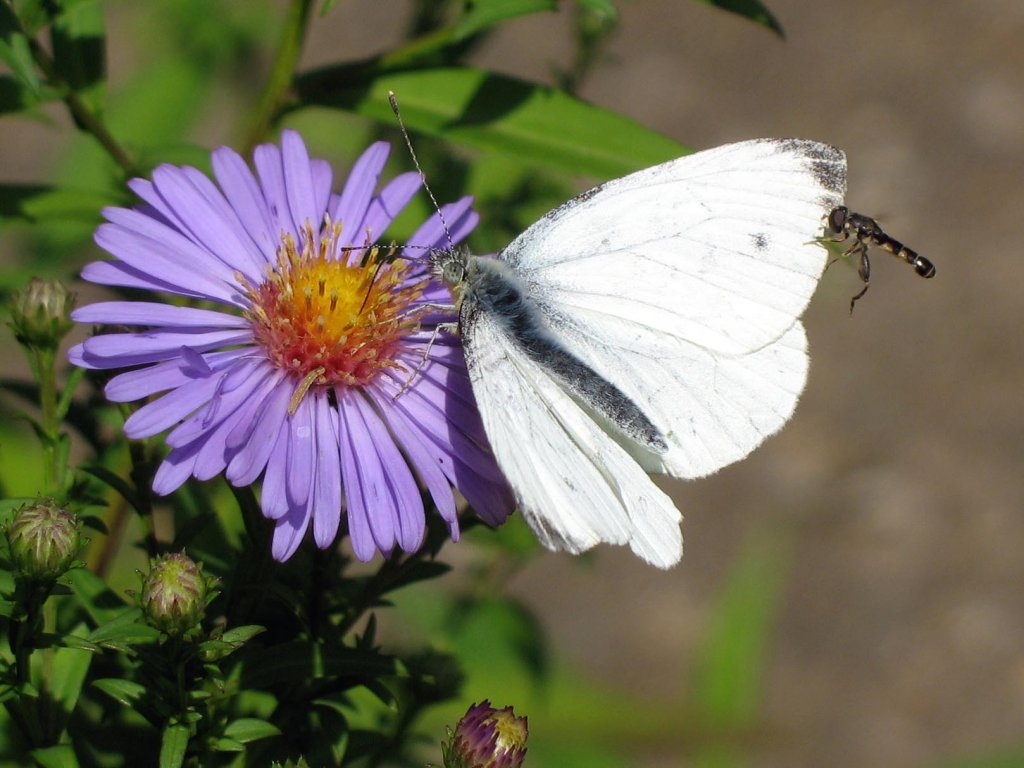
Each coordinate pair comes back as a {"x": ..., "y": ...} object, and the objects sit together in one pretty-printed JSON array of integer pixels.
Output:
[{"x": 450, "y": 328}]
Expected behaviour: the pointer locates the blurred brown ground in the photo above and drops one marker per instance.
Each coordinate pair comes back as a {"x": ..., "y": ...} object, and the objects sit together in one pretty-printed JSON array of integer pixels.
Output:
[{"x": 902, "y": 635}]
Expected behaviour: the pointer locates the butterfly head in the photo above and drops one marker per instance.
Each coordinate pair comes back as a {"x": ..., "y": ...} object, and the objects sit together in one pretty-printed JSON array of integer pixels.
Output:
[{"x": 450, "y": 265}]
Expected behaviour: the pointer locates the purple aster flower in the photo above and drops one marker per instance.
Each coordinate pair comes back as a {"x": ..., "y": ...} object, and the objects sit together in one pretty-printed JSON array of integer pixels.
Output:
[{"x": 316, "y": 370}]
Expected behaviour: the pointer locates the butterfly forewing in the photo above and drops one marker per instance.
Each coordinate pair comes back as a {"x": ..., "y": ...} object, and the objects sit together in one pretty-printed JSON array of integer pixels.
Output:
[{"x": 714, "y": 249}]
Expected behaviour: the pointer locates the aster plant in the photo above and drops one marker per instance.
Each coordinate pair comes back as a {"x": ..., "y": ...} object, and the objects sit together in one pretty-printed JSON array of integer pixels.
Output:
[
  {"x": 322, "y": 370},
  {"x": 265, "y": 440}
]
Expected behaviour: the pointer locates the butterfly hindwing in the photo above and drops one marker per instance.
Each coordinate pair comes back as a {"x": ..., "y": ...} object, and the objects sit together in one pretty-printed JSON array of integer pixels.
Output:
[{"x": 574, "y": 484}]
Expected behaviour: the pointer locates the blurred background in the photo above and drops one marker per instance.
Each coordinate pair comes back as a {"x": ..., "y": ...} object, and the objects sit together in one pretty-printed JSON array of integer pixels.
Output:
[{"x": 853, "y": 593}]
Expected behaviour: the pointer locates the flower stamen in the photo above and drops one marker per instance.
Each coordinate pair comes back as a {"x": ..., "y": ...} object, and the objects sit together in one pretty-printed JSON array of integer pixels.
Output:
[{"x": 333, "y": 316}]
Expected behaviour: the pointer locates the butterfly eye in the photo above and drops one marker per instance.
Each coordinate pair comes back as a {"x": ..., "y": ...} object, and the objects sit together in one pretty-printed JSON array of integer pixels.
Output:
[{"x": 454, "y": 272}]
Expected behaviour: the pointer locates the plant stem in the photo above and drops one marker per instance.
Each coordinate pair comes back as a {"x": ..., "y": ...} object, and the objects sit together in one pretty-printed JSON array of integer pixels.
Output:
[
  {"x": 84, "y": 117},
  {"x": 46, "y": 376},
  {"x": 293, "y": 33}
]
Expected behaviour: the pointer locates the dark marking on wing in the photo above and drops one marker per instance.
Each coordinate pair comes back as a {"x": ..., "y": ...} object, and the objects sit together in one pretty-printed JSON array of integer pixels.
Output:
[
  {"x": 825, "y": 162},
  {"x": 582, "y": 197},
  {"x": 761, "y": 241},
  {"x": 493, "y": 289}
]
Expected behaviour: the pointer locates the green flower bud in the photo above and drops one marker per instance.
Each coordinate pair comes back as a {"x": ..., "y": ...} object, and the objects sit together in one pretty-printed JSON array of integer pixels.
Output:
[
  {"x": 175, "y": 593},
  {"x": 486, "y": 738},
  {"x": 40, "y": 313},
  {"x": 44, "y": 540}
]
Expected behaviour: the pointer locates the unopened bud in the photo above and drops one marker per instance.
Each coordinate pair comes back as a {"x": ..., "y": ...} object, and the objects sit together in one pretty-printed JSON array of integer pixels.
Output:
[
  {"x": 41, "y": 313},
  {"x": 44, "y": 540},
  {"x": 175, "y": 593},
  {"x": 487, "y": 738}
]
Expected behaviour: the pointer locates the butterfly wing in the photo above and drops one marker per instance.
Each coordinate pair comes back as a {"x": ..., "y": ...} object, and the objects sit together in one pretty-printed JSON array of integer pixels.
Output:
[
  {"x": 682, "y": 284},
  {"x": 714, "y": 249},
  {"x": 574, "y": 484}
]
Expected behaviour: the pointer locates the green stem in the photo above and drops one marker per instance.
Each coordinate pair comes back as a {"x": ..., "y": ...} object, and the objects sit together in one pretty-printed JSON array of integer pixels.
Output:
[
  {"x": 80, "y": 111},
  {"x": 275, "y": 93},
  {"x": 46, "y": 375}
]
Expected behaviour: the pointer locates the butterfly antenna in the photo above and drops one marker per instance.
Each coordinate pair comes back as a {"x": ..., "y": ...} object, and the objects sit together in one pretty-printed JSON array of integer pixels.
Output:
[{"x": 393, "y": 100}]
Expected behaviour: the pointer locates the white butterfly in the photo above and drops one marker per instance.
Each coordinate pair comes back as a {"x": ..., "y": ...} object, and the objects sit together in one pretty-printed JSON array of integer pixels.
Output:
[{"x": 647, "y": 325}]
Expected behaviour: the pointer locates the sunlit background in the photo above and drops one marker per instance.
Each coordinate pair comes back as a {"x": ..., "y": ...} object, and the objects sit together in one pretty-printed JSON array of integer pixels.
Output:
[{"x": 853, "y": 593}]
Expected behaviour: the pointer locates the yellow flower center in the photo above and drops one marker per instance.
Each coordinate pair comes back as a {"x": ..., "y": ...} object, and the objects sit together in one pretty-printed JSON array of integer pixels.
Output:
[{"x": 329, "y": 318}]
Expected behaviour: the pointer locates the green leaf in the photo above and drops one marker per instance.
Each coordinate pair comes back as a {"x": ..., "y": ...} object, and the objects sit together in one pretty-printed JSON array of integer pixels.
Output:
[
  {"x": 79, "y": 39},
  {"x": 118, "y": 483},
  {"x": 123, "y": 631},
  {"x": 15, "y": 52},
  {"x": 246, "y": 729},
  {"x": 496, "y": 113},
  {"x": 59, "y": 756},
  {"x": 16, "y": 97},
  {"x": 303, "y": 660},
  {"x": 70, "y": 667},
  {"x": 173, "y": 746},
  {"x": 100, "y": 602},
  {"x": 67, "y": 641},
  {"x": 34, "y": 14},
  {"x": 486, "y": 13},
  {"x": 226, "y": 745},
  {"x": 124, "y": 691},
  {"x": 241, "y": 635},
  {"x": 754, "y": 10},
  {"x": 480, "y": 621},
  {"x": 729, "y": 670},
  {"x": 40, "y": 202}
]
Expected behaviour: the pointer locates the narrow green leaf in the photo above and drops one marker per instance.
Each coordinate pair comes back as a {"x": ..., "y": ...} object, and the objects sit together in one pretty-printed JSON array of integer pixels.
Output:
[
  {"x": 124, "y": 691},
  {"x": 100, "y": 602},
  {"x": 70, "y": 667},
  {"x": 124, "y": 630},
  {"x": 240, "y": 635},
  {"x": 215, "y": 650},
  {"x": 486, "y": 13},
  {"x": 39, "y": 202},
  {"x": 173, "y": 746},
  {"x": 729, "y": 670},
  {"x": 6, "y": 609},
  {"x": 226, "y": 745},
  {"x": 33, "y": 15},
  {"x": 79, "y": 38},
  {"x": 298, "y": 660},
  {"x": 116, "y": 482},
  {"x": 67, "y": 641},
  {"x": 754, "y": 10},
  {"x": 15, "y": 53},
  {"x": 247, "y": 729},
  {"x": 497, "y": 113},
  {"x": 60, "y": 756}
]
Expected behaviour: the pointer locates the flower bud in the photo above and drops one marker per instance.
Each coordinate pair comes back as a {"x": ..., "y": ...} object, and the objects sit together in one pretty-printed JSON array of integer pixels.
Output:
[
  {"x": 44, "y": 540},
  {"x": 175, "y": 593},
  {"x": 486, "y": 738},
  {"x": 40, "y": 313}
]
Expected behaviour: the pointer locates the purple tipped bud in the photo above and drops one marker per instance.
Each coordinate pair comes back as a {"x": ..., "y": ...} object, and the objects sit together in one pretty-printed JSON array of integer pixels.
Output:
[
  {"x": 40, "y": 313},
  {"x": 487, "y": 738},
  {"x": 175, "y": 593},
  {"x": 44, "y": 541}
]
